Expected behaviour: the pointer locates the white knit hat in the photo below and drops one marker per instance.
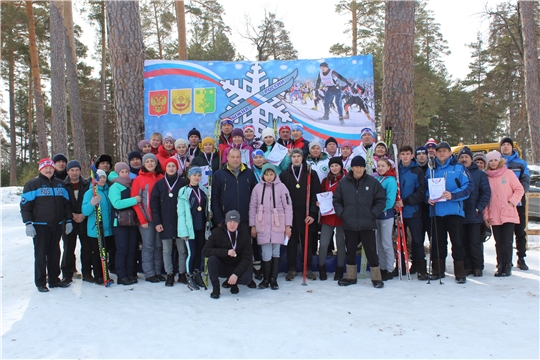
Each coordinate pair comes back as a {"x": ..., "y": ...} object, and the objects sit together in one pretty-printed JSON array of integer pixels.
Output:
[{"x": 268, "y": 132}]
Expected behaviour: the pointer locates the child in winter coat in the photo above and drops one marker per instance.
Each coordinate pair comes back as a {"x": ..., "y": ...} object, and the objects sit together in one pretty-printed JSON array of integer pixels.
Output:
[
  {"x": 192, "y": 217},
  {"x": 331, "y": 222},
  {"x": 501, "y": 213},
  {"x": 385, "y": 221},
  {"x": 125, "y": 236},
  {"x": 270, "y": 218},
  {"x": 89, "y": 210}
]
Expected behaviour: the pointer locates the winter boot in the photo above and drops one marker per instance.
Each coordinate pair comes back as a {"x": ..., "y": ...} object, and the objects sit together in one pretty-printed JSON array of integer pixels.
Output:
[
  {"x": 325, "y": 117},
  {"x": 339, "y": 273},
  {"x": 384, "y": 275},
  {"x": 310, "y": 275},
  {"x": 521, "y": 264},
  {"x": 257, "y": 270},
  {"x": 199, "y": 280},
  {"x": 125, "y": 281},
  {"x": 170, "y": 280},
  {"x": 234, "y": 289},
  {"x": 252, "y": 284},
  {"x": 191, "y": 283},
  {"x": 507, "y": 270},
  {"x": 500, "y": 270},
  {"x": 265, "y": 267},
  {"x": 459, "y": 272},
  {"x": 469, "y": 272},
  {"x": 290, "y": 275},
  {"x": 182, "y": 278},
  {"x": 322, "y": 272},
  {"x": 274, "y": 273},
  {"x": 437, "y": 269},
  {"x": 376, "y": 278},
  {"x": 350, "y": 277},
  {"x": 421, "y": 270},
  {"x": 215, "y": 290},
  {"x": 477, "y": 273}
]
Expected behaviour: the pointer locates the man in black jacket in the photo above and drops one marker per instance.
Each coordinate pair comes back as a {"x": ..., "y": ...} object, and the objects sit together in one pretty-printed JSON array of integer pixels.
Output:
[
  {"x": 44, "y": 207},
  {"x": 359, "y": 199},
  {"x": 76, "y": 186},
  {"x": 230, "y": 255}
]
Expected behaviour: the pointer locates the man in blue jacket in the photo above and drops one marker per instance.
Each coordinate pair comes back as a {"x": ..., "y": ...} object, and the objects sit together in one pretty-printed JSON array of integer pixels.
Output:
[
  {"x": 447, "y": 208},
  {"x": 413, "y": 189},
  {"x": 520, "y": 168},
  {"x": 473, "y": 243}
]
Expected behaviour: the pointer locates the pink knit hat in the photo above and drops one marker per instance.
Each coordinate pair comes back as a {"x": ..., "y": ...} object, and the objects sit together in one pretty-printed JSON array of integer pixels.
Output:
[{"x": 493, "y": 155}]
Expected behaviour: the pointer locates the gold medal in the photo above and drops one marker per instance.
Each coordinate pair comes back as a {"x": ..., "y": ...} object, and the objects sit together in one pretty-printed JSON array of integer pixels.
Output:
[
  {"x": 199, "y": 208},
  {"x": 298, "y": 186}
]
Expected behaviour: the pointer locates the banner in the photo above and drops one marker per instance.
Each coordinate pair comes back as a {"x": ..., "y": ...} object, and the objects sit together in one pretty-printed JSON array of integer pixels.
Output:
[{"x": 330, "y": 97}]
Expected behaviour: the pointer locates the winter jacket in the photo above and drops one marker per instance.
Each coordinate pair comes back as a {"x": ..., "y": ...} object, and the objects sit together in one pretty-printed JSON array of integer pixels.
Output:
[
  {"x": 284, "y": 164},
  {"x": 120, "y": 198},
  {"x": 298, "y": 196},
  {"x": 223, "y": 144},
  {"x": 231, "y": 192},
  {"x": 457, "y": 182},
  {"x": 219, "y": 244},
  {"x": 505, "y": 187},
  {"x": 275, "y": 213},
  {"x": 243, "y": 147},
  {"x": 183, "y": 164},
  {"x": 288, "y": 145},
  {"x": 163, "y": 206},
  {"x": 331, "y": 220},
  {"x": 389, "y": 184},
  {"x": 45, "y": 201},
  {"x": 60, "y": 175},
  {"x": 520, "y": 169},
  {"x": 412, "y": 183},
  {"x": 143, "y": 185},
  {"x": 212, "y": 160},
  {"x": 320, "y": 165},
  {"x": 89, "y": 211},
  {"x": 479, "y": 197},
  {"x": 358, "y": 202},
  {"x": 301, "y": 144},
  {"x": 76, "y": 202},
  {"x": 186, "y": 208},
  {"x": 163, "y": 155},
  {"x": 337, "y": 154}
]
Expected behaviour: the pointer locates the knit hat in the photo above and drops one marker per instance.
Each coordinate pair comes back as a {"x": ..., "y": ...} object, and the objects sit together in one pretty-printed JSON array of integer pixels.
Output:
[
  {"x": 100, "y": 173},
  {"x": 180, "y": 142},
  {"x": 330, "y": 140},
  {"x": 493, "y": 155},
  {"x": 143, "y": 143},
  {"x": 297, "y": 151},
  {"x": 134, "y": 155},
  {"x": 504, "y": 140},
  {"x": 324, "y": 63},
  {"x": 268, "y": 132},
  {"x": 443, "y": 145},
  {"x": 103, "y": 158},
  {"x": 237, "y": 132},
  {"x": 335, "y": 160},
  {"x": 194, "y": 170},
  {"x": 60, "y": 157},
  {"x": 170, "y": 160},
  {"x": 314, "y": 143},
  {"x": 480, "y": 156},
  {"x": 73, "y": 164},
  {"x": 194, "y": 131},
  {"x": 365, "y": 131},
  {"x": 44, "y": 163},
  {"x": 383, "y": 144},
  {"x": 208, "y": 140},
  {"x": 232, "y": 215},
  {"x": 421, "y": 150},
  {"x": 431, "y": 143},
  {"x": 268, "y": 166},
  {"x": 257, "y": 152},
  {"x": 248, "y": 126},
  {"x": 226, "y": 120},
  {"x": 358, "y": 161},
  {"x": 298, "y": 127},
  {"x": 120, "y": 166},
  {"x": 149, "y": 156},
  {"x": 347, "y": 143},
  {"x": 169, "y": 138},
  {"x": 284, "y": 127},
  {"x": 465, "y": 151}
]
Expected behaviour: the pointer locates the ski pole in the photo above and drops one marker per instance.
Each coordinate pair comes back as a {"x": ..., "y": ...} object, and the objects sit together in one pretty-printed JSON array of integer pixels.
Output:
[{"x": 306, "y": 235}]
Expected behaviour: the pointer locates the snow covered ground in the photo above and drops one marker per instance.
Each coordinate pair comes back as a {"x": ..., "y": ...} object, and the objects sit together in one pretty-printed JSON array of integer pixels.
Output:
[{"x": 487, "y": 317}]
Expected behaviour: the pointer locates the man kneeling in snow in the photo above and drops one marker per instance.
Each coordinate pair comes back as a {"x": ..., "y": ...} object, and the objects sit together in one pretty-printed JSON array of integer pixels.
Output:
[{"x": 230, "y": 255}]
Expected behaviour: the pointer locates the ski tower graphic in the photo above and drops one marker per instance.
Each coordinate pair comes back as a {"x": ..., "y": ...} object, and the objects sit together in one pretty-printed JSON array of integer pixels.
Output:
[{"x": 265, "y": 95}]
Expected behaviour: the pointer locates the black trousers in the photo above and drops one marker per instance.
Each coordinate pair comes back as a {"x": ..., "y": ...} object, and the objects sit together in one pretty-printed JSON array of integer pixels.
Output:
[
  {"x": 47, "y": 254},
  {"x": 473, "y": 247},
  {"x": 503, "y": 242},
  {"x": 298, "y": 239},
  {"x": 96, "y": 258},
  {"x": 217, "y": 268},
  {"x": 110, "y": 245},
  {"x": 68, "y": 256},
  {"x": 519, "y": 231},
  {"x": 452, "y": 225},
  {"x": 415, "y": 226},
  {"x": 367, "y": 237},
  {"x": 126, "y": 245}
]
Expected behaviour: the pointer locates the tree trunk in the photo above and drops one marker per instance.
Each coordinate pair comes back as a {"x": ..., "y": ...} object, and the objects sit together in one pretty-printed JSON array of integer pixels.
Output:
[
  {"x": 30, "y": 124},
  {"x": 532, "y": 86},
  {"x": 354, "y": 28},
  {"x": 398, "y": 92},
  {"x": 58, "y": 79},
  {"x": 101, "y": 118},
  {"x": 36, "y": 80},
  {"x": 181, "y": 21},
  {"x": 12, "y": 133},
  {"x": 158, "y": 32},
  {"x": 126, "y": 53},
  {"x": 75, "y": 107}
]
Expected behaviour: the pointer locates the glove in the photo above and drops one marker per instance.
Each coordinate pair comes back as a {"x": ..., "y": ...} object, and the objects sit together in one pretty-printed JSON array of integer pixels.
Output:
[
  {"x": 30, "y": 230},
  {"x": 69, "y": 228},
  {"x": 95, "y": 200}
]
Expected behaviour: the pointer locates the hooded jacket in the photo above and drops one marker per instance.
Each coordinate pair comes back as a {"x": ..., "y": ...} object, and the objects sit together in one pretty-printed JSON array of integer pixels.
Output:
[
  {"x": 164, "y": 206},
  {"x": 520, "y": 169},
  {"x": 89, "y": 211},
  {"x": 320, "y": 165},
  {"x": 326, "y": 185},
  {"x": 203, "y": 160},
  {"x": 185, "y": 210},
  {"x": 76, "y": 202},
  {"x": 505, "y": 187},
  {"x": 163, "y": 155}
]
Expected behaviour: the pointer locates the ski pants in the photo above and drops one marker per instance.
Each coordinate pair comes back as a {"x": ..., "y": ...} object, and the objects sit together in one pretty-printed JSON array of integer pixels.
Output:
[
  {"x": 415, "y": 226},
  {"x": 503, "y": 242},
  {"x": 168, "y": 246},
  {"x": 152, "y": 253},
  {"x": 217, "y": 268},
  {"x": 47, "y": 254},
  {"x": 96, "y": 257},
  {"x": 473, "y": 246},
  {"x": 326, "y": 237},
  {"x": 367, "y": 237},
  {"x": 519, "y": 231},
  {"x": 385, "y": 246},
  {"x": 194, "y": 251},
  {"x": 126, "y": 245},
  {"x": 448, "y": 225}
]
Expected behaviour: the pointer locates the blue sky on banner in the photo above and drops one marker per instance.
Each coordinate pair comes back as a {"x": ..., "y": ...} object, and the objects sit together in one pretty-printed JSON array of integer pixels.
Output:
[{"x": 264, "y": 94}]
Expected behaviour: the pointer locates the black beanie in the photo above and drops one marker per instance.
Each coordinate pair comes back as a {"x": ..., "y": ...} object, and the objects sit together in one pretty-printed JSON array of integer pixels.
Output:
[
  {"x": 134, "y": 155},
  {"x": 358, "y": 161},
  {"x": 60, "y": 157},
  {"x": 104, "y": 158},
  {"x": 507, "y": 140},
  {"x": 194, "y": 132},
  {"x": 335, "y": 160},
  {"x": 330, "y": 140},
  {"x": 466, "y": 151}
]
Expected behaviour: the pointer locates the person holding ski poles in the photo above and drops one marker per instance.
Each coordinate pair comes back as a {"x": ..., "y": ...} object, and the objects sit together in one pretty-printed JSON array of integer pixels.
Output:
[{"x": 330, "y": 78}]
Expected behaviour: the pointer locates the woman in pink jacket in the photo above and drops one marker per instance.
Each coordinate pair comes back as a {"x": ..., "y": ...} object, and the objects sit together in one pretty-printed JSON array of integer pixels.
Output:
[
  {"x": 270, "y": 218},
  {"x": 501, "y": 213}
]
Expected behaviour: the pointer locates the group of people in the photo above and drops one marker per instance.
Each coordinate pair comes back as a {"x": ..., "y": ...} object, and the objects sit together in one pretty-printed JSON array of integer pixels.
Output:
[{"x": 207, "y": 209}]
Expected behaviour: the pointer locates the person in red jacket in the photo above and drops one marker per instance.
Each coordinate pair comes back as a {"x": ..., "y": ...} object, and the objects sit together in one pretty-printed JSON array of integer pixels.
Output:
[
  {"x": 152, "y": 253},
  {"x": 298, "y": 141},
  {"x": 331, "y": 221},
  {"x": 166, "y": 150}
]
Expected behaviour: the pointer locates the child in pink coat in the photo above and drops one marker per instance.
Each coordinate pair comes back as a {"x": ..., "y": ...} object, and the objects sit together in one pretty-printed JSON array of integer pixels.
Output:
[{"x": 501, "y": 213}]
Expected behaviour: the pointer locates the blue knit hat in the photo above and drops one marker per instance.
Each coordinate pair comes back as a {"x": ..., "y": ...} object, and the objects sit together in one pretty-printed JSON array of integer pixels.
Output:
[{"x": 73, "y": 164}]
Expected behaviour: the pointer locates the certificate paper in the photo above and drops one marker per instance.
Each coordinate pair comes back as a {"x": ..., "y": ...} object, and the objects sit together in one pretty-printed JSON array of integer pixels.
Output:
[
  {"x": 206, "y": 171},
  {"x": 436, "y": 188},
  {"x": 277, "y": 154},
  {"x": 325, "y": 203}
]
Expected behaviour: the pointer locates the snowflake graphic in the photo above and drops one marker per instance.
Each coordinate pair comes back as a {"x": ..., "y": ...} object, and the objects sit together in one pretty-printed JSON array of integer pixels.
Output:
[{"x": 266, "y": 114}]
